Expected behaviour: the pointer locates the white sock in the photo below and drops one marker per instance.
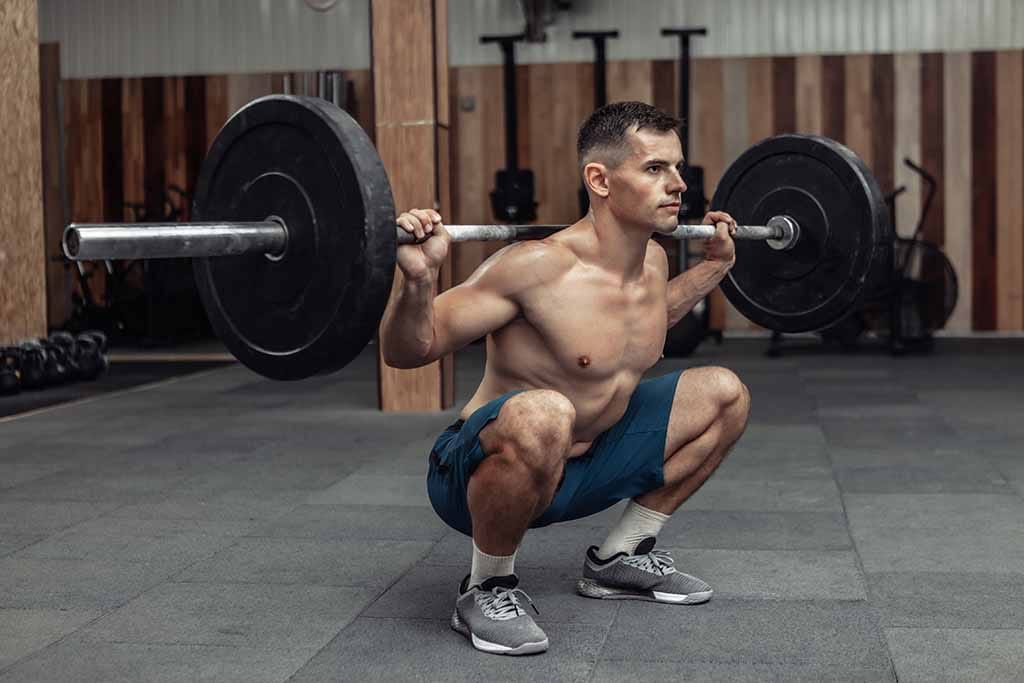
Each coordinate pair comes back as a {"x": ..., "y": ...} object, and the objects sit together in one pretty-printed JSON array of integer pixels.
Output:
[
  {"x": 485, "y": 566},
  {"x": 636, "y": 524}
]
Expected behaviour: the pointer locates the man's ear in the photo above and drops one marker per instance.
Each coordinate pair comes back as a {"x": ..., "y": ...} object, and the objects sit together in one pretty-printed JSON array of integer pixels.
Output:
[{"x": 595, "y": 175}]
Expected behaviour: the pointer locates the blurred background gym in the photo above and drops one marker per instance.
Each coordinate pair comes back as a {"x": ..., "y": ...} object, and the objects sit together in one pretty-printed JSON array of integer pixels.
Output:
[{"x": 120, "y": 404}]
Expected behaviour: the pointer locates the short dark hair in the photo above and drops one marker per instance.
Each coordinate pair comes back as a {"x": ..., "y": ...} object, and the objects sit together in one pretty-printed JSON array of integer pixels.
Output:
[{"x": 608, "y": 126}]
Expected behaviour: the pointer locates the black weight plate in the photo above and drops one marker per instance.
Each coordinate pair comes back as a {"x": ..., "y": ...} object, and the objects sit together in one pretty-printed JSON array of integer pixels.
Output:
[
  {"x": 312, "y": 310},
  {"x": 845, "y": 244}
]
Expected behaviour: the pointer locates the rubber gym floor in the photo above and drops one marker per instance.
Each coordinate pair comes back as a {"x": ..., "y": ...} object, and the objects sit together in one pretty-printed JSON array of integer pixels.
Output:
[{"x": 869, "y": 526}]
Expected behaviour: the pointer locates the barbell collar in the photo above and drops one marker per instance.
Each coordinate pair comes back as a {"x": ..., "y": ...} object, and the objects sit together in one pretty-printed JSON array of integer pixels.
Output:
[{"x": 103, "y": 241}]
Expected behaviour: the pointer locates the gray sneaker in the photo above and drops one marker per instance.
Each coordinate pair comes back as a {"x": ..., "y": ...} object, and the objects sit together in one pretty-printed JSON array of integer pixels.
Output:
[
  {"x": 492, "y": 618},
  {"x": 647, "y": 574}
]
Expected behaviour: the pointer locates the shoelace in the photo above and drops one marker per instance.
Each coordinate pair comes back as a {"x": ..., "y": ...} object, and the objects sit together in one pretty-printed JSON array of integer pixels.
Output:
[
  {"x": 655, "y": 562},
  {"x": 502, "y": 604}
]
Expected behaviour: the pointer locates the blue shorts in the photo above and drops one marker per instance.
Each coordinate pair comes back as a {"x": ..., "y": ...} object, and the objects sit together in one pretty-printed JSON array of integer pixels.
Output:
[{"x": 623, "y": 462}]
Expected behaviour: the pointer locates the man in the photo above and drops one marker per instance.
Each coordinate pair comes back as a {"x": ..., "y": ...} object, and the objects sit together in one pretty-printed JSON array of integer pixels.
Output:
[{"x": 561, "y": 426}]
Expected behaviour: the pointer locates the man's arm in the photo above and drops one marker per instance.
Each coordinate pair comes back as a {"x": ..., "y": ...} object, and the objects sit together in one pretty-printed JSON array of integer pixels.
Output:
[
  {"x": 418, "y": 328},
  {"x": 692, "y": 285}
]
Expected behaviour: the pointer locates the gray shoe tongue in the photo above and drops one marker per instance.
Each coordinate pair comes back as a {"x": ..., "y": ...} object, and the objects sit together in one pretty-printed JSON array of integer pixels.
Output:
[
  {"x": 510, "y": 581},
  {"x": 645, "y": 546}
]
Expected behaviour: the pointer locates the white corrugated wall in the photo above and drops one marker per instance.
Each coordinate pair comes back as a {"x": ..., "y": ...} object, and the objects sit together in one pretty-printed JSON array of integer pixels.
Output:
[
  {"x": 176, "y": 37},
  {"x": 141, "y": 37}
]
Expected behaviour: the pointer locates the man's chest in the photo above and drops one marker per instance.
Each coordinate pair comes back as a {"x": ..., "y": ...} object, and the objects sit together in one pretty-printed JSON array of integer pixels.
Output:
[{"x": 601, "y": 329}]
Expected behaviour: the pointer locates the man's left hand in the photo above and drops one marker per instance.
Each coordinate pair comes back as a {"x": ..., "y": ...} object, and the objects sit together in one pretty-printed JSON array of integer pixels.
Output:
[{"x": 720, "y": 248}]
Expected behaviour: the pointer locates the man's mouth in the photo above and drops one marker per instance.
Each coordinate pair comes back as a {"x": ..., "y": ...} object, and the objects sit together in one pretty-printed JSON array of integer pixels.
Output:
[{"x": 672, "y": 205}]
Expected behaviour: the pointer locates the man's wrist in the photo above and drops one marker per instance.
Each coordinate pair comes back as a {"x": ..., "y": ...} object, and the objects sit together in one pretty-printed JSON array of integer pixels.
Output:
[{"x": 421, "y": 283}]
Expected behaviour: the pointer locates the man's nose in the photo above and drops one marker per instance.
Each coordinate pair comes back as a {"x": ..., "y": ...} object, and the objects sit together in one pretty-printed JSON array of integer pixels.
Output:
[{"x": 676, "y": 183}]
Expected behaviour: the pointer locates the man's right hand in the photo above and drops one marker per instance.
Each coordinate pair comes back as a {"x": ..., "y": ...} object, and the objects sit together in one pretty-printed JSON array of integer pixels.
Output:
[{"x": 421, "y": 262}]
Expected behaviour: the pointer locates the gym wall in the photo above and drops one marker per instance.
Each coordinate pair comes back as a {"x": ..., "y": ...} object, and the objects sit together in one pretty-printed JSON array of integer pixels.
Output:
[
  {"x": 938, "y": 81},
  {"x": 959, "y": 115}
]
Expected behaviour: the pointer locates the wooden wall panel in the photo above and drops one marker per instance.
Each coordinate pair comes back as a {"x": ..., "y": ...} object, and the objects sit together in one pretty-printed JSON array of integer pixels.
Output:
[
  {"x": 406, "y": 138},
  {"x": 707, "y": 141},
  {"x": 22, "y": 252},
  {"x": 244, "y": 88},
  {"x": 833, "y": 97},
  {"x": 361, "y": 103},
  {"x": 113, "y": 148},
  {"x": 195, "y": 134},
  {"x": 1009, "y": 132},
  {"x": 84, "y": 129},
  {"x": 760, "y": 100},
  {"x": 983, "y": 188},
  {"x": 552, "y": 153},
  {"x": 859, "y": 106},
  {"x": 665, "y": 83},
  {"x": 479, "y": 152},
  {"x": 809, "y": 86},
  {"x": 83, "y": 117},
  {"x": 784, "y": 94},
  {"x": 630, "y": 80},
  {"x": 175, "y": 145},
  {"x": 154, "y": 119},
  {"x": 933, "y": 144},
  {"x": 907, "y": 87},
  {"x": 883, "y": 118},
  {"x": 58, "y": 275},
  {"x": 134, "y": 140},
  {"x": 442, "y": 105},
  {"x": 217, "y": 111},
  {"x": 736, "y": 114},
  {"x": 958, "y": 240}
]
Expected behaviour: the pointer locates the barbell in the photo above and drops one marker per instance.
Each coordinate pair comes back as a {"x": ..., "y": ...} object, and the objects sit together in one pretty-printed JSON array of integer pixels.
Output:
[{"x": 294, "y": 246}]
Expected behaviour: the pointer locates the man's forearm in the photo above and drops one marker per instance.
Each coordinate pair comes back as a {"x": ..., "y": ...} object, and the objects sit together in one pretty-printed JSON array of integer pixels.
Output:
[
  {"x": 689, "y": 287},
  {"x": 407, "y": 329}
]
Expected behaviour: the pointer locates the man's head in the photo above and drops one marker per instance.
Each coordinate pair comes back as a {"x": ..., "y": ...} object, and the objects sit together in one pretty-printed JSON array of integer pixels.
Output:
[{"x": 630, "y": 157}]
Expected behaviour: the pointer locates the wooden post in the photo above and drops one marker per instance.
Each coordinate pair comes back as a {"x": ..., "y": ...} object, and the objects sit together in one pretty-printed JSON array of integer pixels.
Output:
[
  {"x": 410, "y": 82},
  {"x": 22, "y": 254}
]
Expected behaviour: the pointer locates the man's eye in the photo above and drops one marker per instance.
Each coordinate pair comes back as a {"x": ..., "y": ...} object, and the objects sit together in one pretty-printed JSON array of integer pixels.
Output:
[{"x": 653, "y": 168}]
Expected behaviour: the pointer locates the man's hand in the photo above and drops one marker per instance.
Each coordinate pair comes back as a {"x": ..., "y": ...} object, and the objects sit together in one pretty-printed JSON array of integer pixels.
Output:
[
  {"x": 720, "y": 247},
  {"x": 421, "y": 262}
]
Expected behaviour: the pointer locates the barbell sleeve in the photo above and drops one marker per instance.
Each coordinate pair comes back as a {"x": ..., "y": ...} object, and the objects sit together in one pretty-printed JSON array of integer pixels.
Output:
[{"x": 99, "y": 241}]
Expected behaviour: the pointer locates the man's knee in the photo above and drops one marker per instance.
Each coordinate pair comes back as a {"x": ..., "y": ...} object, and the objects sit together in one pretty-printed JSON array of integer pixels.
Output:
[
  {"x": 727, "y": 390},
  {"x": 534, "y": 427}
]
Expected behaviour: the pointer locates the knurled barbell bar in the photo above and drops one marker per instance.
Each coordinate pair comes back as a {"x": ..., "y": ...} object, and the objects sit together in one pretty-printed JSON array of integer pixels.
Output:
[{"x": 295, "y": 194}]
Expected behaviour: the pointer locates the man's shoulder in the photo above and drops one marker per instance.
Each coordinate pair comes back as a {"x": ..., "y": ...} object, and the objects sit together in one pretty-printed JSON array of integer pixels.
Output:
[
  {"x": 522, "y": 265},
  {"x": 656, "y": 256},
  {"x": 538, "y": 259}
]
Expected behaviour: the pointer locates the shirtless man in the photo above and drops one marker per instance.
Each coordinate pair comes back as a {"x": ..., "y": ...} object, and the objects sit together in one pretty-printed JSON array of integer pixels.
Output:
[{"x": 562, "y": 426}]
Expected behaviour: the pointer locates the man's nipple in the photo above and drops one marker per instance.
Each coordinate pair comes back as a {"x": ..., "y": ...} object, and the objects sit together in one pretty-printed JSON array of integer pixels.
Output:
[{"x": 583, "y": 361}]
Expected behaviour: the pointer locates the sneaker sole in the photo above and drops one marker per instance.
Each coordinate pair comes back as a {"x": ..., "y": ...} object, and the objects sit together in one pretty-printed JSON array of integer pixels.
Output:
[
  {"x": 494, "y": 648},
  {"x": 592, "y": 589}
]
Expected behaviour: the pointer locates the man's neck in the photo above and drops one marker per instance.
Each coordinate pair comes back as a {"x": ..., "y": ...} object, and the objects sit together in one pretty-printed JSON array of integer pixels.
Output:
[{"x": 620, "y": 248}]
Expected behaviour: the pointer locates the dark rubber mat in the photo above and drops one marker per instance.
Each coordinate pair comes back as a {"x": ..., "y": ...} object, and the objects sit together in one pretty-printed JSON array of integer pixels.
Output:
[{"x": 122, "y": 375}]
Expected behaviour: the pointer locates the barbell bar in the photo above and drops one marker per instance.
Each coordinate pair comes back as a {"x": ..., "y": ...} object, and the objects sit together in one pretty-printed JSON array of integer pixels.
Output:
[
  {"x": 293, "y": 190},
  {"x": 112, "y": 241}
]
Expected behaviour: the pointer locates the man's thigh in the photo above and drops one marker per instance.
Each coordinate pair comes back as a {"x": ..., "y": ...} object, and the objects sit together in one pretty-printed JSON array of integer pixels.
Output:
[
  {"x": 696, "y": 404},
  {"x": 625, "y": 462}
]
